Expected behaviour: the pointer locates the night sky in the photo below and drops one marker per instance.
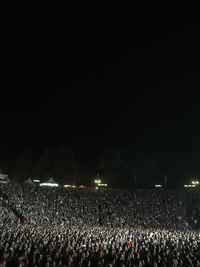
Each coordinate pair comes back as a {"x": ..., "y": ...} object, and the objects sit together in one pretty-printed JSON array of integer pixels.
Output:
[{"x": 91, "y": 77}]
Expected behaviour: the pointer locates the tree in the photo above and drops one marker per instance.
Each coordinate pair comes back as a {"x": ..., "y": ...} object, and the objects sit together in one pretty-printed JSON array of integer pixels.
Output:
[
  {"x": 123, "y": 168},
  {"x": 110, "y": 166},
  {"x": 60, "y": 164},
  {"x": 45, "y": 164},
  {"x": 65, "y": 165},
  {"x": 23, "y": 166}
]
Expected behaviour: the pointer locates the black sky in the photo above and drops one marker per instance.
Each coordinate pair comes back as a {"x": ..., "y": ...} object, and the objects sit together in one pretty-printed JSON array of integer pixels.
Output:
[{"x": 90, "y": 76}]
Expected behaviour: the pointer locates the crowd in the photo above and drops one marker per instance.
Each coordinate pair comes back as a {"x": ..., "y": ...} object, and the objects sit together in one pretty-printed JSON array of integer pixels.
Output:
[{"x": 89, "y": 227}]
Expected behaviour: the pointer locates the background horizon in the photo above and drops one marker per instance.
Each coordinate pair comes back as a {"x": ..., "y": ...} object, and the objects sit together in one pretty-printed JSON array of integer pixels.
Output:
[{"x": 93, "y": 78}]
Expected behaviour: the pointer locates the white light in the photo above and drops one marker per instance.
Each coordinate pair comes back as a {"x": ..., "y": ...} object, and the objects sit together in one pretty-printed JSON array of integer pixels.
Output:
[
  {"x": 96, "y": 188},
  {"x": 189, "y": 185},
  {"x": 49, "y": 184},
  {"x": 102, "y": 185},
  {"x": 69, "y": 186},
  {"x": 158, "y": 185},
  {"x": 195, "y": 182},
  {"x": 36, "y": 181}
]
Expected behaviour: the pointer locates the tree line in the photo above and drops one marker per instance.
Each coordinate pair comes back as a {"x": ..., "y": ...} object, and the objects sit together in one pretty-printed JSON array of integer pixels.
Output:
[{"x": 117, "y": 167}]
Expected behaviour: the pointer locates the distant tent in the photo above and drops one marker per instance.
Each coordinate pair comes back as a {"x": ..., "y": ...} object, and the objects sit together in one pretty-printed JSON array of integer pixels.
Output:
[
  {"x": 29, "y": 181},
  {"x": 4, "y": 178},
  {"x": 49, "y": 182}
]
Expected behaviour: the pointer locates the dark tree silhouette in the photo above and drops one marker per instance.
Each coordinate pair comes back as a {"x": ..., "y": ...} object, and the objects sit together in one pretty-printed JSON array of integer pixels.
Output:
[
  {"x": 58, "y": 163},
  {"x": 23, "y": 166}
]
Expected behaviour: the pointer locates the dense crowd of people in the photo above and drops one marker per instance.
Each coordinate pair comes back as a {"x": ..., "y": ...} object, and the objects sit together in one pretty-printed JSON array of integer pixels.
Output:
[{"x": 42, "y": 226}]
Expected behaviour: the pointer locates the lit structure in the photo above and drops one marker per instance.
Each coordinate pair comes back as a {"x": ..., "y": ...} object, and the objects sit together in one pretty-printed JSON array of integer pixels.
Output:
[
  {"x": 189, "y": 185},
  {"x": 195, "y": 182},
  {"x": 158, "y": 185},
  {"x": 36, "y": 181},
  {"x": 50, "y": 183},
  {"x": 97, "y": 181},
  {"x": 82, "y": 186},
  {"x": 4, "y": 178},
  {"x": 69, "y": 186},
  {"x": 3, "y": 182},
  {"x": 103, "y": 185}
]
